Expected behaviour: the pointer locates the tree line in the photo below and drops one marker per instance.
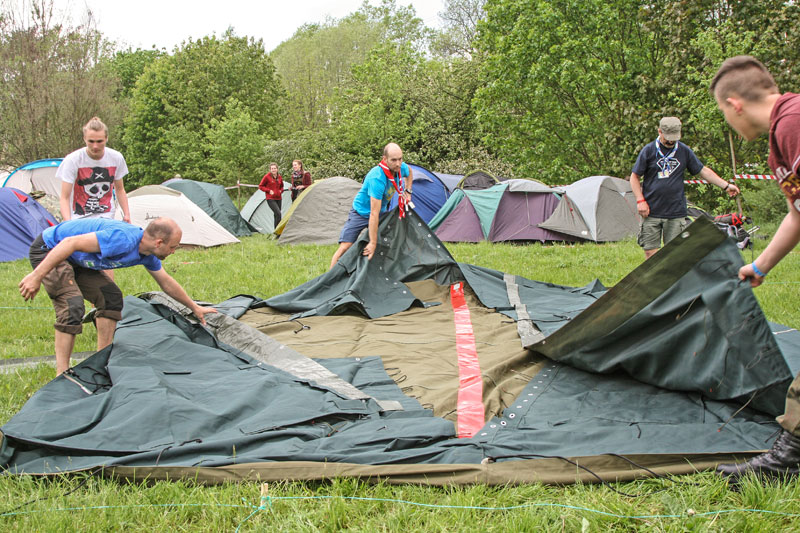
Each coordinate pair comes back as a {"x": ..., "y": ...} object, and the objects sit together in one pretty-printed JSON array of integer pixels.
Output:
[{"x": 554, "y": 90}]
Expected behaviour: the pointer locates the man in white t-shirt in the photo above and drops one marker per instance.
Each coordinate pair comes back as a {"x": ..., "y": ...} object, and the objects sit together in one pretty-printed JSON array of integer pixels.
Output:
[{"x": 91, "y": 176}]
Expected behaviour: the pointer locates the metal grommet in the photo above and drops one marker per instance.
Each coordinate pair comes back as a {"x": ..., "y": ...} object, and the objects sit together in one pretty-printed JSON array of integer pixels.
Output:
[
  {"x": 525, "y": 400},
  {"x": 503, "y": 422},
  {"x": 512, "y": 415},
  {"x": 484, "y": 434},
  {"x": 530, "y": 394},
  {"x": 685, "y": 235},
  {"x": 493, "y": 426},
  {"x": 518, "y": 407}
]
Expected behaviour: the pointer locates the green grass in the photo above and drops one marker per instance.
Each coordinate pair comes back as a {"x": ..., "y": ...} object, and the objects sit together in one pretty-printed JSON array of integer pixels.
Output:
[{"x": 258, "y": 266}]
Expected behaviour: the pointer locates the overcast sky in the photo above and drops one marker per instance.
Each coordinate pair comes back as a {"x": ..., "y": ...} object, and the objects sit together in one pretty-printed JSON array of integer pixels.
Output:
[{"x": 166, "y": 23}]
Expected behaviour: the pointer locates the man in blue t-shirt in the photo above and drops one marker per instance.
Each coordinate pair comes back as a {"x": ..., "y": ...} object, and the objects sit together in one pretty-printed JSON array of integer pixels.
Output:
[
  {"x": 69, "y": 260},
  {"x": 660, "y": 199},
  {"x": 381, "y": 182}
]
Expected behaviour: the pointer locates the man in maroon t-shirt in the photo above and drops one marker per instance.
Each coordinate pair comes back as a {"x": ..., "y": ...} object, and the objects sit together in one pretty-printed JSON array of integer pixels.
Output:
[{"x": 749, "y": 98}]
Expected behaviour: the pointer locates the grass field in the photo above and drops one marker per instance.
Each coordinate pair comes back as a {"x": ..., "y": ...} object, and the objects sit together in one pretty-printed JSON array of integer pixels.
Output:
[{"x": 259, "y": 267}]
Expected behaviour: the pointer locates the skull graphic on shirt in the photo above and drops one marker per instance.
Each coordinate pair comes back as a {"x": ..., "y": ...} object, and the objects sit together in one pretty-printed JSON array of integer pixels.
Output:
[{"x": 92, "y": 194}]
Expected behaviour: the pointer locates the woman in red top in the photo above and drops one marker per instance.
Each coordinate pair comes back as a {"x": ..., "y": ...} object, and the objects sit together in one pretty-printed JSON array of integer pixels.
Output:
[
  {"x": 300, "y": 178},
  {"x": 272, "y": 185}
]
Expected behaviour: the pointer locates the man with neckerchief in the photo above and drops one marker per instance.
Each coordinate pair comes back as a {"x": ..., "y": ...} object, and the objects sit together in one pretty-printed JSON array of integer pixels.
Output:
[
  {"x": 657, "y": 183},
  {"x": 390, "y": 176}
]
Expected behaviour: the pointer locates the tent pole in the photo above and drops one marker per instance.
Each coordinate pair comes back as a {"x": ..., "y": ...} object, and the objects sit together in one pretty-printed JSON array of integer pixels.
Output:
[{"x": 733, "y": 165}]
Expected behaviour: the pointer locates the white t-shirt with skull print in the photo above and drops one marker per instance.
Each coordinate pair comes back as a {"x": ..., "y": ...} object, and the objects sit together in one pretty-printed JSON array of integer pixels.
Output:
[{"x": 93, "y": 181}]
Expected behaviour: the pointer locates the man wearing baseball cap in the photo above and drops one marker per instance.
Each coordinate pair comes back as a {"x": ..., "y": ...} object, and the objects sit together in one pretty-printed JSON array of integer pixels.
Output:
[{"x": 657, "y": 183}]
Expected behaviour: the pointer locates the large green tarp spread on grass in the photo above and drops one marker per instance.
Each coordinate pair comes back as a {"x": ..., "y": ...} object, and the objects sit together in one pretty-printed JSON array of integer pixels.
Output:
[{"x": 356, "y": 373}]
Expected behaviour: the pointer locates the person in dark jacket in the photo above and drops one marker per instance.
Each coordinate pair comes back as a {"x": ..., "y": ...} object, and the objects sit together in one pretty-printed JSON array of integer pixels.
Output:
[{"x": 300, "y": 178}]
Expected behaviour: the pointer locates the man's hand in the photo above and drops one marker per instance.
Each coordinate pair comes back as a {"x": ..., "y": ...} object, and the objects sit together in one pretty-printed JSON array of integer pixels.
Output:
[
  {"x": 747, "y": 273},
  {"x": 29, "y": 286},
  {"x": 201, "y": 312},
  {"x": 369, "y": 249},
  {"x": 732, "y": 190},
  {"x": 643, "y": 209},
  {"x": 126, "y": 218}
]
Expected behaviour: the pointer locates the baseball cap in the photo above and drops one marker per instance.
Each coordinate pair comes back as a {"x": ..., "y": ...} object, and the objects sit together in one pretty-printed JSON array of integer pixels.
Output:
[{"x": 671, "y": 128}]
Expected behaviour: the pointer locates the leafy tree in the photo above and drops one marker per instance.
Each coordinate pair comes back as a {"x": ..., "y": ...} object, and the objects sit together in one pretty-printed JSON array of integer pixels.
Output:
[
  {"x": 129, "y": 65},
  {"x": 235, "y": 145},
  {"x": 315, "y": 61},
  {"x": 55, "y": 78},
  {"x": 318, "y": 58},
  {"x": 179, "y": 96},
  {"x": 561, "y": 88}
]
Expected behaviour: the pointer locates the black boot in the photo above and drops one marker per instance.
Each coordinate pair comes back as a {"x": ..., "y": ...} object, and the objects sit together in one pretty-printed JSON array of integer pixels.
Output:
[{"x": 781, "y": 461}]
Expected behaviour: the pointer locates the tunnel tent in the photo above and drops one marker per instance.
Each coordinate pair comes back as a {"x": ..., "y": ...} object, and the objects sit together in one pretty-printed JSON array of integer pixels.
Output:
[{"x": 477, "y": 180}]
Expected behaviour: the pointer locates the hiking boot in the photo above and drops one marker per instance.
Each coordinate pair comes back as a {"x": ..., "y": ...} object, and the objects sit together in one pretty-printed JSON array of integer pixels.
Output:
[{"x": 781, "y": 461}]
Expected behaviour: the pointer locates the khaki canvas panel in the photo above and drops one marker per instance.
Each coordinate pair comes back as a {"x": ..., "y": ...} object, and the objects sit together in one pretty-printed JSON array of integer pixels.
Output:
[{"x": 417, "y": 347}]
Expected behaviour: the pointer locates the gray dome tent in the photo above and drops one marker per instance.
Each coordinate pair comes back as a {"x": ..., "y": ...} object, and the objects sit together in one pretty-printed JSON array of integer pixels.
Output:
[{"x": 597, "y": 208}]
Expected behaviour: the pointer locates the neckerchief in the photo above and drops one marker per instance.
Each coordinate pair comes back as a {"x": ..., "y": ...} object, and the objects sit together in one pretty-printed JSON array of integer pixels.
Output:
[
  {"x": 398, "y": 186},
  {"x": 297, "y": 177},
  {"x": 668, "y": 163}
]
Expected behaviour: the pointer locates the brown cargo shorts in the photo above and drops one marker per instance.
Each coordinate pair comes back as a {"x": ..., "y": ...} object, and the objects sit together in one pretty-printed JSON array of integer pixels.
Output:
[{"x": 68, "y": 285}]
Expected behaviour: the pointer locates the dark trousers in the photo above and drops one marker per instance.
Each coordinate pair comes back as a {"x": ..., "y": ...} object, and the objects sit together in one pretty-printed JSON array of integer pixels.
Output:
[{"x": 275, "y": 205}]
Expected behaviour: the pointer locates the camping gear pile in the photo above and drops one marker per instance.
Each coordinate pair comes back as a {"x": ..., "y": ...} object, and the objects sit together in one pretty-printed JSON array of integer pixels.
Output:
[{"x": 731, "y": 224}]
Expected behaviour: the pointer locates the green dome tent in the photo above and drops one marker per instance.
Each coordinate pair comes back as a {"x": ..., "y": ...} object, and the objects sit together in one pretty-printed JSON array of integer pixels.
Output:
[{"x": 214, "y": 200}]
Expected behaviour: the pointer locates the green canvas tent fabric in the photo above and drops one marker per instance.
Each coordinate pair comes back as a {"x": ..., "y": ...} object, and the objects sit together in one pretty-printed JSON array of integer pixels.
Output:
[
  {"x": 214, "y": 200},
  {"x": 366, "y": 385}
]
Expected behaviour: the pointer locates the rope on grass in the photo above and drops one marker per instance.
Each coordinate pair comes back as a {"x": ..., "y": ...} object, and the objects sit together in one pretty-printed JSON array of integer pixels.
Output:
[{"x": 269, "y": 500}]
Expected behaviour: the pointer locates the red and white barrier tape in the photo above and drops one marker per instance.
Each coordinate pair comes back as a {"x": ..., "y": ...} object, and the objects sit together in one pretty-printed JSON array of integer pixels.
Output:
[{"x": 740, "y": 177}]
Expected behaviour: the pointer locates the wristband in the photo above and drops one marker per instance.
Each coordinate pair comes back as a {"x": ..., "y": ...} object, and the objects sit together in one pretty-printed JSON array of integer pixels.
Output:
[
  {"x": 757, "y": 271},
  {"x": 641, "y": 201},
  {"x": 727, "y": 186}
]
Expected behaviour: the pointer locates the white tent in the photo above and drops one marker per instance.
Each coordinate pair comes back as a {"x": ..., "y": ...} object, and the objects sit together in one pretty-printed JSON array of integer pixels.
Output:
[{"x": 199, "y": 229}]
